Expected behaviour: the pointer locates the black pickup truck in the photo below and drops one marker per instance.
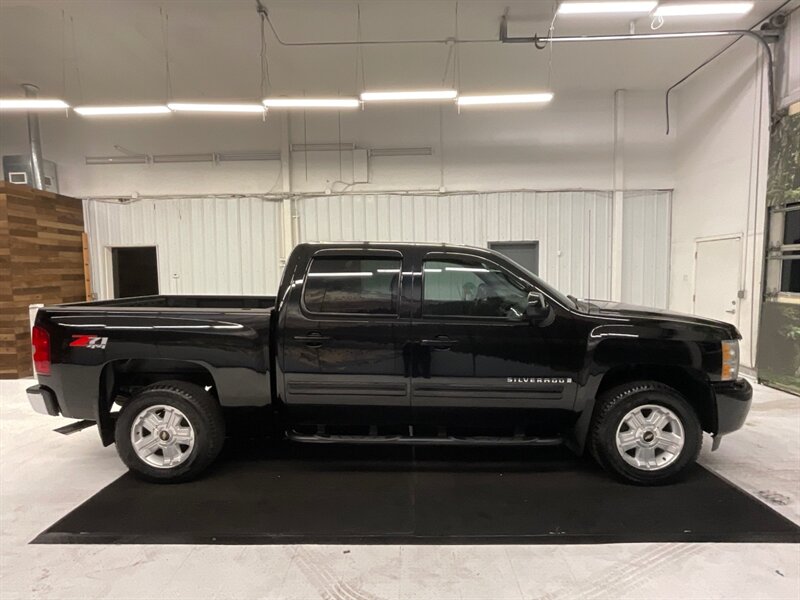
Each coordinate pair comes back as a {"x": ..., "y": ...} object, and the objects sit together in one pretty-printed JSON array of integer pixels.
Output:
[{"x": 371, "y": 343}]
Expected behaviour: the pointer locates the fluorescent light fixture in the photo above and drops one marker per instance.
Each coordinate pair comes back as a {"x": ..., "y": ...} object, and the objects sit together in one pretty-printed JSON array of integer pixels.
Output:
[
  {"x": 135, "y": 159},
  {"x": 248, "y": 155},
  {"x": 31, "y": 104},
  {"x": 505, "y": 99},
  {"x": 323, "y": 147},
  {"x": 598, "y": 8},
  {"x": 99, "y": 111},
  {"x": 408, "y": 96},
  {"x": 218, "y": 108},
  {"x": 311, "y": 102},
  {"x": 704, "y": 8},
  {"x": 422, "y": 151},
  {"x": 182, "y": 158}
]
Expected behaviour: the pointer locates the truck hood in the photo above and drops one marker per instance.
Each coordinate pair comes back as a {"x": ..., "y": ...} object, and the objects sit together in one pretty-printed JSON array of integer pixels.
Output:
[{"x": 606, "y": 308}]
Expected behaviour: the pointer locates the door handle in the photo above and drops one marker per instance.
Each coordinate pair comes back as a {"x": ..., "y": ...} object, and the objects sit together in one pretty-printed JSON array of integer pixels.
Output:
[
  {"x": 440, "y": 342},
  {"x": 314, "y": 339},
  {"x": 731, "y": 311}
]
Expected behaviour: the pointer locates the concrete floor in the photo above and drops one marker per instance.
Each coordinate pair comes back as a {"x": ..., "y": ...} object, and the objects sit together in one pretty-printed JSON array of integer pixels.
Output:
[{"x": 44, "y": 475}]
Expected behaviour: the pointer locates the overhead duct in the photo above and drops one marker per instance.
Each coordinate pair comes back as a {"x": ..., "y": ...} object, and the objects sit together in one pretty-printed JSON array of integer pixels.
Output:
[{"x": 34, "y": 140}]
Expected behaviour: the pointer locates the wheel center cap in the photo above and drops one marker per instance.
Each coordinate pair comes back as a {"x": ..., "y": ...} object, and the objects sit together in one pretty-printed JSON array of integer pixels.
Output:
[
  {"x": 163, "y": 436},
  {"x": 648, "y": 436}
]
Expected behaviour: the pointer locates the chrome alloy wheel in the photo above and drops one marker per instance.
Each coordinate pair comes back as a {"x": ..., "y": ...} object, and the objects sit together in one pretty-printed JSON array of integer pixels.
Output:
[
  {"x": 162, "y": 436},
  {"x": 650, "y": 437}
]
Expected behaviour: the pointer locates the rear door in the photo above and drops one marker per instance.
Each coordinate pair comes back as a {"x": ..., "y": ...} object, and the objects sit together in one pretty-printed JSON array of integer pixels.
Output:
[
  {"x": 344, "y": 329},
  {"x": 479, "y": 363}
]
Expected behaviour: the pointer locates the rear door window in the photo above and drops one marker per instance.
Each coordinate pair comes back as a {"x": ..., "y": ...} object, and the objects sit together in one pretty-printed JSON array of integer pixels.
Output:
[{"x": 343, "y": 285}]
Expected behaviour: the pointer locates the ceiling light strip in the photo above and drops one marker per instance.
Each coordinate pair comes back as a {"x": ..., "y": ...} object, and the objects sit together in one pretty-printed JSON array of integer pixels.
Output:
[
  {"x": 100, "y": 111},
  {"x": 216, "y": 108},
  {"x": 182, "y": 158},
  {"x": 31, "y": 104},
  {"x": 311, "y": 102},
  {"x": 422, "y": 151},
  {"x": 496, "y": 99},
  {"x": 136, "y": 159},
  {"x": 409, "y": 96}
]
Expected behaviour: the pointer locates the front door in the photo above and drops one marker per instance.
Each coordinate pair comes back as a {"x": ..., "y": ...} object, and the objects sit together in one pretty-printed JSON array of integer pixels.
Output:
[
  {"x": 479, "y": 363},
  {"x": 343, "y": 335}
]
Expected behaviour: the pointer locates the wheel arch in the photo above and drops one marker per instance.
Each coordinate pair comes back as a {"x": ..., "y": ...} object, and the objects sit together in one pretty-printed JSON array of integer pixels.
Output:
[
  {"x": 690, "y": 383},
  {"x": 119, "y": 378}
]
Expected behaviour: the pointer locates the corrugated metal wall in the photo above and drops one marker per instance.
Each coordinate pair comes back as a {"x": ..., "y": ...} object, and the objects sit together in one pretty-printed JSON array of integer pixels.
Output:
[
  {"x": 232, "y": 245},
  {"x": 646, "y": 247},
  {"x": 204, "y": 245},
  {"x": 573, "y": 228}
]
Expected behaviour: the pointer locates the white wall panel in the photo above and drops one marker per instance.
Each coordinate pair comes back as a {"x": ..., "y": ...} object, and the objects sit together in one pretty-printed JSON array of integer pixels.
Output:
[
  {"x": 205, "y": 245},
  {"x": 573, "y": 228},
  {"x": 646, "y": 248}
]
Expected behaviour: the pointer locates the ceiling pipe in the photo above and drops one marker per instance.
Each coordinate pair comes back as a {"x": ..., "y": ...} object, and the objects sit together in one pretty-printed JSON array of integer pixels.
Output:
[
  {"x": 34, "y": 140},
  {"x": 542, "y": 42}
]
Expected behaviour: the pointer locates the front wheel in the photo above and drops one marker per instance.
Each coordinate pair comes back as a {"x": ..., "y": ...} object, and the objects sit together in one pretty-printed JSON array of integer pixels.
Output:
[
  {"x": 645, "y": 433},
  {"x": 170, "y": 432}
]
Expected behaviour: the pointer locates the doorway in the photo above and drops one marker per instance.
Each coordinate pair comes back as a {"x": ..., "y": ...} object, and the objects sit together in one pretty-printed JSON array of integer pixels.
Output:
[
  {"x": 135, "y": 271},
  {"x": 717, "y": 272},
  {"x": 523, "y": 253}
]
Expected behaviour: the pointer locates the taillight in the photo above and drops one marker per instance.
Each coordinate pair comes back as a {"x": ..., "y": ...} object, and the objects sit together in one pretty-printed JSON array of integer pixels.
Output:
[{"x": 40, "y": 340}]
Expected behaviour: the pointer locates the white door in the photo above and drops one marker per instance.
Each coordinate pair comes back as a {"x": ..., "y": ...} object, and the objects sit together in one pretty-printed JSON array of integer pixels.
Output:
[{"x": 716, "y": 279}]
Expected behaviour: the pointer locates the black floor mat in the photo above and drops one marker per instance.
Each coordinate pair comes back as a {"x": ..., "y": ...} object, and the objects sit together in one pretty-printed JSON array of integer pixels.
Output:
[{"x": 324, "y": 494}]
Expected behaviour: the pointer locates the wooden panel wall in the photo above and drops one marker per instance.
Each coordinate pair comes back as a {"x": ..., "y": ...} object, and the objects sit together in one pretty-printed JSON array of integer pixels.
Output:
[{"x": 41, "y": 261}]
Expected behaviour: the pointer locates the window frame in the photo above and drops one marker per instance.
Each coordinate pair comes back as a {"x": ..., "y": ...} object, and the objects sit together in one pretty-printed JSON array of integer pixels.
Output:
[
  {"x": 355, "y": 254},
  {"x": 445, "y": 256},
  {"x": 779, "y": 252}
]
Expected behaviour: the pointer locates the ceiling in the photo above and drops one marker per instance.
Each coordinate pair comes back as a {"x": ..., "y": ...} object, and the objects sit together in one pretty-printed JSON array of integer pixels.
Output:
[{"x": 96, "y": 51}]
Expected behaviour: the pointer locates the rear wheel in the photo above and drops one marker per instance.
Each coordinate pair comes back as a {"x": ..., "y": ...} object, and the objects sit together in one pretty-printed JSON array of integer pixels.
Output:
[
  {"x": 170, "y": 432},
  {"x": 645, "y": 433}
]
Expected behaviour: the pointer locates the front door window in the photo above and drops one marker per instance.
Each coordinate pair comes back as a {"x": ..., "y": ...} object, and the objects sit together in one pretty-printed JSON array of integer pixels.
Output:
[{"x": 463, "y": 288}]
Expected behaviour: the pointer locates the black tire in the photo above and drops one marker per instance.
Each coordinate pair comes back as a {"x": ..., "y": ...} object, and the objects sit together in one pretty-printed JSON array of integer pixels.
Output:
[
  {"x": 615, "y": 404},
  {"x": 202, "y": 411}
]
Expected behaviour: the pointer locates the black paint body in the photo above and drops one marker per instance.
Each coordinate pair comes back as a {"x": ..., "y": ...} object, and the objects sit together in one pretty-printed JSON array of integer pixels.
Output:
[{"x": 478, "y": 375}]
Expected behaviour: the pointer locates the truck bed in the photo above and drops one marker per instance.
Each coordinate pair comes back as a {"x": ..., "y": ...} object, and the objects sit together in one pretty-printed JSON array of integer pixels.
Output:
[{"x": 218, "y": 341}]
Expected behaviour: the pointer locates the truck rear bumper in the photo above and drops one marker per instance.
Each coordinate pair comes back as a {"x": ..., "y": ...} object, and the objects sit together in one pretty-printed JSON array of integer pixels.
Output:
[
  {"x": 43, "y": 400},
  {"x": 733, "y": 400}
]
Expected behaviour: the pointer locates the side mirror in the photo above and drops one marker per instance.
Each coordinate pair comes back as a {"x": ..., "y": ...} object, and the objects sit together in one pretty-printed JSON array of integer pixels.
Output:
[{"x": 537, "y": 308}]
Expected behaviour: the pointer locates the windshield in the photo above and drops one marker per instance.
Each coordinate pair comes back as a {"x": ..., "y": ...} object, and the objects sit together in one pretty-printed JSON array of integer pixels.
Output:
[{"x": 543, "y": 285}]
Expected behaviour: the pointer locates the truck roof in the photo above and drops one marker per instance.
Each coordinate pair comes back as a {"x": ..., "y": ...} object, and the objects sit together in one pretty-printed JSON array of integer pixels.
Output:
[{"x": 366, "y": 244}]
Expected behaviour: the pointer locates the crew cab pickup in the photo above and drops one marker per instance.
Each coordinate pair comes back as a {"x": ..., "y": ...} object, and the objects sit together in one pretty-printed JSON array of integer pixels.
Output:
[{"x": 372, "y": 343}]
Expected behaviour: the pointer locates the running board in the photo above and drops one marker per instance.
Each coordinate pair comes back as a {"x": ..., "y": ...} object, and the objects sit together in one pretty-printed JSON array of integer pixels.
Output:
[
  {"x": 424, "y": 441},
  {"x": 74, "y": 427}
]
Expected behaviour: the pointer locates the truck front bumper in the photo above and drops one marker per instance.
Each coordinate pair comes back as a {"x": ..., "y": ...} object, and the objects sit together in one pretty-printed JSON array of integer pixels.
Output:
[
  {"x": 43, "y": 400},
  {"x": 733, "y": 400}
]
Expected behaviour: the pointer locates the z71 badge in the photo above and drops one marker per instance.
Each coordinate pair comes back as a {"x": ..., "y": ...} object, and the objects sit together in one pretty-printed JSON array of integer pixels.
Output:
[{"x": 89, "y": 341}]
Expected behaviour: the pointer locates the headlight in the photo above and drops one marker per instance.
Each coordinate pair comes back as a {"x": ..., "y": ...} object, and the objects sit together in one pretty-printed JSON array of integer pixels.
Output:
[{"x": 730, "y": 360}]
